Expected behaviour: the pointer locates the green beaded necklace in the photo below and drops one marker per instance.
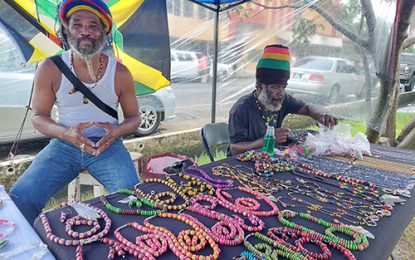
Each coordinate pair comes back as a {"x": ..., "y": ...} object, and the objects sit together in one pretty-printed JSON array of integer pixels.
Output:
[{"x": 133, "y": 202}]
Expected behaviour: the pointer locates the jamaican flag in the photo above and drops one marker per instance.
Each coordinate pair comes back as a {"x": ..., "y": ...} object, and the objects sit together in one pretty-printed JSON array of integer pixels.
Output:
[{"x": 140, "y": 35}]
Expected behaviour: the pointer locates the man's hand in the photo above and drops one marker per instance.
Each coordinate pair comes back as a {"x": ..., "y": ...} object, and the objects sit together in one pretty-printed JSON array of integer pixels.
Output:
[
  {"x": 327, "y": 120},
  {"x": 281, "y": 135},
  {"x": 106, "y": 140},
  {"x": 74, "y": 135}
]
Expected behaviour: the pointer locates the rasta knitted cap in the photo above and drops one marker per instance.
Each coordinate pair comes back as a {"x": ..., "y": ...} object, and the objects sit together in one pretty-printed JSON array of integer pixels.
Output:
[
  {"x": 98, "y": 7},
  {"x": 274, "y": 65}
]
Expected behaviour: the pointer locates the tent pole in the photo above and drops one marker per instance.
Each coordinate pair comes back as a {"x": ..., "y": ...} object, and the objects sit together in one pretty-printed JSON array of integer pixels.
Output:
[{"x": 215, "y": 65}]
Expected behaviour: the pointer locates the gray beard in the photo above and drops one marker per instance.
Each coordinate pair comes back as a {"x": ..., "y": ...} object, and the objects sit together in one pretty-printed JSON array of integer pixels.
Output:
[
  {"x": 86, "y": 53},
  {"x": 266, "y": 101}
]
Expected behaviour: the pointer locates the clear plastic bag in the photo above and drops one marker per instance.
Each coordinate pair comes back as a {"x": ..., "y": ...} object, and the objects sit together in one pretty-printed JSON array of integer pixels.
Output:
[{"x": 339, "y": 141}]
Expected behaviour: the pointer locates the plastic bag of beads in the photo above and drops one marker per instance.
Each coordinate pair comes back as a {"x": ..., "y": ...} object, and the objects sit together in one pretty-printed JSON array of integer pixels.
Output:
[{"x": 339, "y": 141}]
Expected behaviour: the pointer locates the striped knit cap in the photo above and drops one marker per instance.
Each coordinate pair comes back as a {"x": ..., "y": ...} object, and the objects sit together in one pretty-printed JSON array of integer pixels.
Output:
[
  {"x": 98, "y": 7},
  {"x": 274, "y": 65}
]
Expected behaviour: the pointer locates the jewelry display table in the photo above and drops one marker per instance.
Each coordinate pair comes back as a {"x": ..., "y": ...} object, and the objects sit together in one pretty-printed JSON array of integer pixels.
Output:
[
  {"x": 23, "y": 235},
  {"x": 386, "y": 231}
]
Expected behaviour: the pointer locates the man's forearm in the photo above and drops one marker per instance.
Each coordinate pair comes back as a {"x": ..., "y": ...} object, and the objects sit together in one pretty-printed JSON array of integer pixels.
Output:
[
  {"x": 129, "y": 125},
  {"x": 314, "y": 111},
  {"x": 246, "y": 146},
  {"x": 48, "y": 126}
]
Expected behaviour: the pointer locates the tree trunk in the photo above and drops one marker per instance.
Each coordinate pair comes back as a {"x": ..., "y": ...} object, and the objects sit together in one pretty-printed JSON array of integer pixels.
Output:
[
  {"x": 390, "y": 131},
  {"x": 405, "y": 131},
  {"x": 387, "y": 98}
]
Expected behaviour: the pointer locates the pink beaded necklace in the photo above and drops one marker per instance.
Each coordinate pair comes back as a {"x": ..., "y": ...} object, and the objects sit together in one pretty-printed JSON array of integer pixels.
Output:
[{"x": 80, "y": 239}]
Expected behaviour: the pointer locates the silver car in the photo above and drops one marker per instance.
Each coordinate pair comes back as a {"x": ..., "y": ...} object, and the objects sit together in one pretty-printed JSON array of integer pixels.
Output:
[
  {"x": 327, "y": 77},
  {"x": 16, "y": 87}
]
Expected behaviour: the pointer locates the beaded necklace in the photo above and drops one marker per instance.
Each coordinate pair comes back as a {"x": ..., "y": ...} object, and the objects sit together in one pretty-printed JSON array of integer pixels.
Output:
[
  {"x": 192, "y": 185},
  {"x": 358, "y": 186},
  {"x": 265, "y": 165},
  {"x": 8, "y": 230},
  {"x": 360, "y": 218},
  {"x": 225, "y": 232},
  {"x": 243, "y": 205},
  {"x": 365, "y": 208},
  {"x": 359, "y": 243},
  {"x": 80, "y": 239},
  {"x": 234, "y": 223},
  {"x": 246, "y": 177},
  {"x": 216, "y": 183},
  {"x": 156, "y": 198},
  {"x": 134, "y": 201},
  {"x": 74, "y": 90},
  {"x": 182, "y": 246},
  {"x": 282, "y": 234},
  {"x": 266, "y": 250}
]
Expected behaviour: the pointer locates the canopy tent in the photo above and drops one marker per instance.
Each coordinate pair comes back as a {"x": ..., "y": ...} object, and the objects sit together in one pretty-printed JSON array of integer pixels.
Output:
[
  {"x": 383, "y": 26},
  {"x": 216, "y": 6},
  {"x": 140, "y": 36}
]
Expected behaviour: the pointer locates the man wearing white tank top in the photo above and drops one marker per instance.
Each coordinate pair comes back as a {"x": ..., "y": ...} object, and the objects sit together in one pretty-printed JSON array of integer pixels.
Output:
[{"x": 84, "y": 137}]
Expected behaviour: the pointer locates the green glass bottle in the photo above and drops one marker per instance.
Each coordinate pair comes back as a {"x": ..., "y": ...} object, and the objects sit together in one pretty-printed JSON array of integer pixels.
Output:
[{"x": 269, "y": 141}]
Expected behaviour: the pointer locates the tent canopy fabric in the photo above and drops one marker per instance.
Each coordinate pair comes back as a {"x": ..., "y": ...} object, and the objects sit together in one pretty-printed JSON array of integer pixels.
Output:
[{"x": 219, "y": 5}]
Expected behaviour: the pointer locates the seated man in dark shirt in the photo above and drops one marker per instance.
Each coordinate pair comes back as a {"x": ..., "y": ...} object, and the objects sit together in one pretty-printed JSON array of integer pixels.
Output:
[{"x": 268, "y": 104}]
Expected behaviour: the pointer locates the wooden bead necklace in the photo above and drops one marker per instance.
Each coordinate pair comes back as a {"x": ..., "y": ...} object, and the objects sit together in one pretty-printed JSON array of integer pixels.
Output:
[
  {"x": 225, "y": 232},
  {"x": 135, "y": 201},
  {"x": 245, "y": 205},
  {"x": 155, "y": 198},
  {"x": 265, "y": 165},
  {"x": 187, "y": 241},
  {"x": 281, "y": 234},
  {"x": 147, "y": 246},
  {"x": 216, "y": 183},
  {"x": 77, "y": 221},
  {"x": 359, "y": 243},
  {"x": 74, "y": 90},
  {"x": 228, "y": 230},
  {"x": 192, "y": 185},
  {"x": 266, "y": 250},
  {"x": 246, "y": 177}
]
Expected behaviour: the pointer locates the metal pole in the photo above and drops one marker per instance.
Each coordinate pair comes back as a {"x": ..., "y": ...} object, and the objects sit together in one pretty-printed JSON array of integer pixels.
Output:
[{"x": 215, "y": 65}]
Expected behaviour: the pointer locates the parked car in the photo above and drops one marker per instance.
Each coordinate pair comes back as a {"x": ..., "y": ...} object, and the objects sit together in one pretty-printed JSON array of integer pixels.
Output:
[
  {"x": 325, "y": 77},
  {"x": 196, "y": 66},
  {"x": 225, "y": 71},
  {"x": 16, "y": 87},
  {"x": 184, "y": 66},
  {"x": 407, "y": 70}
]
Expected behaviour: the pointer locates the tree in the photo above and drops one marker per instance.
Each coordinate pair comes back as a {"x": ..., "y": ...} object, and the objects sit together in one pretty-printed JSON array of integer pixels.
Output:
[
  {"x": 302, "y": 31},
  {"x": 385, "y": 110}
]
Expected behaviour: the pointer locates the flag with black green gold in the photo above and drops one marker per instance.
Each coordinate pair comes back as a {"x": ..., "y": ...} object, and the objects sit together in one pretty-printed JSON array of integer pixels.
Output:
[{"x": 140, "y": 35}]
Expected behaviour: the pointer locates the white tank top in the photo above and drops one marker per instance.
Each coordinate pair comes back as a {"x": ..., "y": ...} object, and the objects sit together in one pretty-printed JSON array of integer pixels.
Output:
[{"x": 72, "y": 110}]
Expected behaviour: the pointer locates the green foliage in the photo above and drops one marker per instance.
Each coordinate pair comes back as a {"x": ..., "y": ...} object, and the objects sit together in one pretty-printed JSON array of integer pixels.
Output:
[
  {"x": 351, "y": 11},
  {"x": 203, "y": 158},
  {"x": 402, "y": 118},
  {"x": 56, "y": 202},
  {"x": 303, "y": 29}
]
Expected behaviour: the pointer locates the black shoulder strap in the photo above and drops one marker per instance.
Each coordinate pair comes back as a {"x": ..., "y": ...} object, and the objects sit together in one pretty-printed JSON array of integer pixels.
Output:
[{"x": 78, "y": 85}]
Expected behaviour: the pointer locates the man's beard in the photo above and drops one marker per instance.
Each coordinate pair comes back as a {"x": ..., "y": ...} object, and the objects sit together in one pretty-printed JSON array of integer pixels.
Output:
[
  {"x": 270, "y": 104},
  {"x": 86, "y": 53}
]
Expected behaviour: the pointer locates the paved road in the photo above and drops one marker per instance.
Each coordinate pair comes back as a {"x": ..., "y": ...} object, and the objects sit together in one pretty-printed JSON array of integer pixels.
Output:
[{"x": 193, "y": 107}]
